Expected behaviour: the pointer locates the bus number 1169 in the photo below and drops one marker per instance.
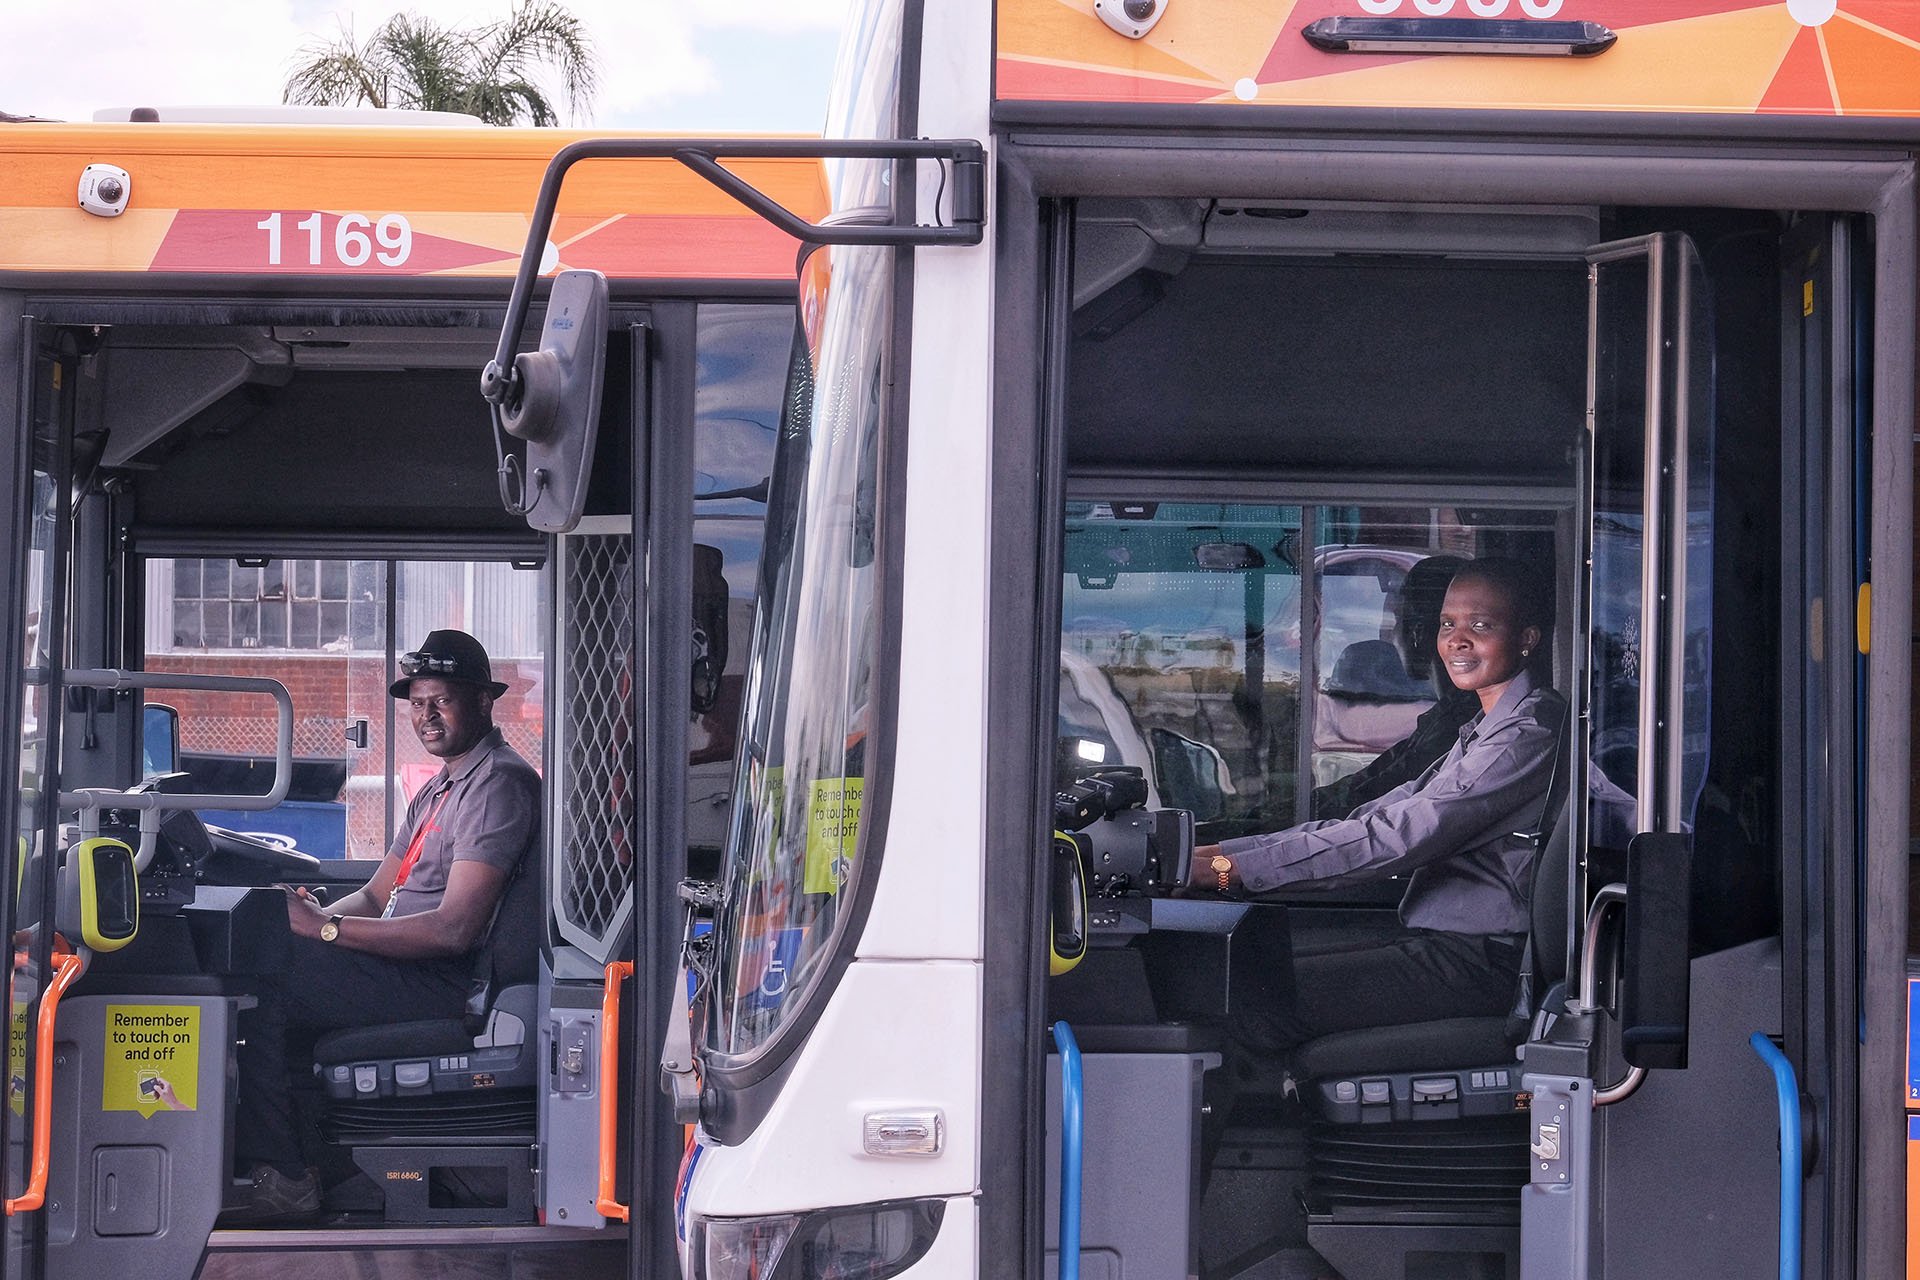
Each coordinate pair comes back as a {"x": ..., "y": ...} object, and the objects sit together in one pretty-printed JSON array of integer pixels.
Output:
[{"x": 356, "y": 238}]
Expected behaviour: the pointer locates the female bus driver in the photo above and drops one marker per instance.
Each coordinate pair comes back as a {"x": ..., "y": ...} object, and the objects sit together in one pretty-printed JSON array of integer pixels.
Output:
[{"x": 1458, "y": 832}]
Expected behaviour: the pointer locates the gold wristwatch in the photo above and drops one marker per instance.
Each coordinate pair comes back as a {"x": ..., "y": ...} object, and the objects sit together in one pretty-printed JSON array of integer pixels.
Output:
[
  {"x": 1222, "y": 867},
  {"x": 331, "y": 929}
]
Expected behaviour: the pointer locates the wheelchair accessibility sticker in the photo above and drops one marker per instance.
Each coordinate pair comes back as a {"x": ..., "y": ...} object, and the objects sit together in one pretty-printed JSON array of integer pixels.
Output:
[
  {"x": 151, "y": 1060},
  {"x": 779, "y": 952}
]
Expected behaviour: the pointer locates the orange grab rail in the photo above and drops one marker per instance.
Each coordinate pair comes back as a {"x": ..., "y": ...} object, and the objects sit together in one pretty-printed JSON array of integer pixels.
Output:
[
  {"x": 617, "y": 972},
  {"x": 66, "y": 967}
]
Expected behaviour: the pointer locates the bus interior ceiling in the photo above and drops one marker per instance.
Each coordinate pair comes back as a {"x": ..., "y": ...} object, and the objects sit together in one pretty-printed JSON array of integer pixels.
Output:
[
  {"x": 352, "y": 432},
  {"x": 1438, "y": 358}
]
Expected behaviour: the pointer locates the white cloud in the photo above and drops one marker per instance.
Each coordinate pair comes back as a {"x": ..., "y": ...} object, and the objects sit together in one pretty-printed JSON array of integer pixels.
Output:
[{"x": 218, "y": 52}]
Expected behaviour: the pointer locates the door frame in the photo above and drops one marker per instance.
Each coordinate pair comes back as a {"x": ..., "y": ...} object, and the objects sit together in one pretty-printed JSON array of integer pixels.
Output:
[{"x": 1035, "y": 166}]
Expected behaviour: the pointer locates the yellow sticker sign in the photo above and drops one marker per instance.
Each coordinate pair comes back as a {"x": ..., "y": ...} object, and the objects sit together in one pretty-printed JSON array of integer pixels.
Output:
[
  {"x": 833, "y": 831},
  {"x": 17, "y": 1059},
  {"x": 152, "y": 1058}
]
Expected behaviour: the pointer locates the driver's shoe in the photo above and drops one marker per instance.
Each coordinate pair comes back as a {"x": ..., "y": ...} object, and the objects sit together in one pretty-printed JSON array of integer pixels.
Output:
[{"x": 272, "y": 1198}]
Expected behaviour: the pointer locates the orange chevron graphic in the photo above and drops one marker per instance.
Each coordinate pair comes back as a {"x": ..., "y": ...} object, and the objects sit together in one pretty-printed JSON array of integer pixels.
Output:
[{"x": 1859, "y": 57}]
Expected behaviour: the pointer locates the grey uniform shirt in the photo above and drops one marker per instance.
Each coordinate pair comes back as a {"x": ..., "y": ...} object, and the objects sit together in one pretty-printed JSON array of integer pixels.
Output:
[
  {"x": 1455, "y": 828},
  {"x": 491, "y": 814}
]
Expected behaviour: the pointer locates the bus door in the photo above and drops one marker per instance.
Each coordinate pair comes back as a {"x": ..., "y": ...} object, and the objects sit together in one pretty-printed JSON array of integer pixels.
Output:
[
  {"x": 34, "y": 568},
  {"x": 1639, "y": 760},
  {"x": 118, "y": 1077},
  {"x": 1825, "y": 397}
]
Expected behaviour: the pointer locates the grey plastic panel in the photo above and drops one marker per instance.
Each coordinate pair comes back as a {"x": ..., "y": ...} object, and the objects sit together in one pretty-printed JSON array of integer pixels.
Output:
[
  {"x": 132, "y": 1193},
  {"x": 1140, "y": 1164},
  {"x": 569, "y": 1061},
  {"x": 1556, "y": 1208},
  {"x": 1713, "y": 1125}
]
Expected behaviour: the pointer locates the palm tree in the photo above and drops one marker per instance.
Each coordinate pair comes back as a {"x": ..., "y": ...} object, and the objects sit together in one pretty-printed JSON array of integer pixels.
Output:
[{"x": 415, "y": 63}]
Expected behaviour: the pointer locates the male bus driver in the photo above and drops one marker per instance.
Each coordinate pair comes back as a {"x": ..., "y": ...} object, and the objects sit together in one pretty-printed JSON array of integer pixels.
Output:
[{"x": 402, "y": 947}]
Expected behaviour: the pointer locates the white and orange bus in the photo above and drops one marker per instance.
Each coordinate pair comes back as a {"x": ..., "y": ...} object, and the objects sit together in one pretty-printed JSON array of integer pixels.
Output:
[
  {"x": 246, "y": 451},
  {"x": 1257, "y": 305}
]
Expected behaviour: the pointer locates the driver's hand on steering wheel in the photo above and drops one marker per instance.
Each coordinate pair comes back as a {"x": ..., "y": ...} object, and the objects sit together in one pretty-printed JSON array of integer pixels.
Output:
[{"x": 304, "y": 914}]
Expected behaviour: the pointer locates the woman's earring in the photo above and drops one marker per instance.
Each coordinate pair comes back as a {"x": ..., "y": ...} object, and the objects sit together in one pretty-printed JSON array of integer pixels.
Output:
[{"x": 1526, "y": 653}]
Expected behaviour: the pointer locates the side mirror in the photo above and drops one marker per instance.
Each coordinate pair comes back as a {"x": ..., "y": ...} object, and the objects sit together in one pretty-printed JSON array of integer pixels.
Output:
[
  {"x": 159, "y": 740},
  {"x": 1192, "y": 775},
  {"x": 555, "y": 406},
  {"x": 1655, "y": 961}
]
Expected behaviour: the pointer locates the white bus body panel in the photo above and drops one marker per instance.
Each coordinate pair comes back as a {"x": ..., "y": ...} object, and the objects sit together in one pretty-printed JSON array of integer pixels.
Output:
[
  {"x": 894, "y": 1037},
  {"x": 902, "y": 1029},
  {"x": 928, "y": 902}
]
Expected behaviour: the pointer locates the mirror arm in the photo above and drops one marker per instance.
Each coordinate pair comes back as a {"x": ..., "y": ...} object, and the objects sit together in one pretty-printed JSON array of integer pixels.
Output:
[{"x": 967, "y": 158}]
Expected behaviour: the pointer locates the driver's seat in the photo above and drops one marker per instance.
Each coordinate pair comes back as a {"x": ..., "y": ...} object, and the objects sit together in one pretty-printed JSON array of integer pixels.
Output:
[{"x": 441, "y": 1112}]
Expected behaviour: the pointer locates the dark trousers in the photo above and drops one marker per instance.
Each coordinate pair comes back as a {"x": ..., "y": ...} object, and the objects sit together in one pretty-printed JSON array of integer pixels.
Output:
[
  {"x": 324, "y": 987},
  {"x": 1420, "y": 977},
  {"x": 1282, "y": 999}
]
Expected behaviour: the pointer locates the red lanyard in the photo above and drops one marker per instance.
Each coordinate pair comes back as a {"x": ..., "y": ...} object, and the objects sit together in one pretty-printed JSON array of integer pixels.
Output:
[{"x": 414, "y": 846}]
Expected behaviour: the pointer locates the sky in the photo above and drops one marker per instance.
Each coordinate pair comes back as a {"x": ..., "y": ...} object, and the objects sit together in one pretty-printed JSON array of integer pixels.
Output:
[{"x": 687, "y": 66}]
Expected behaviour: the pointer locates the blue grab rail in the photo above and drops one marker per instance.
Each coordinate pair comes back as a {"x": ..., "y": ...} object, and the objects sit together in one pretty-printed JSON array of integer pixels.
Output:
[
  {"x": 1786, "y": 1087},
  {"x": 1070, "y": 1127}
]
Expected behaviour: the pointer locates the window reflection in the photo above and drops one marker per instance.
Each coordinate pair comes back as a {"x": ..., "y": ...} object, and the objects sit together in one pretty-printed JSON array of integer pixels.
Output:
[{"x": 1253, "y": 660}]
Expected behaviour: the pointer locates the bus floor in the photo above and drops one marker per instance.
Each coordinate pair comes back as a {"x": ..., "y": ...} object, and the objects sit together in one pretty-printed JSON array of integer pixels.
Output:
[
  {"x": 423, "y": 1252},
  {"x": 1252, "y": 1214}
]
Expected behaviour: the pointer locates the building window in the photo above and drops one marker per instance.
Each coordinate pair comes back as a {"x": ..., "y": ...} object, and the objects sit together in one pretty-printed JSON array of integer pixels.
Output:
[{"x": 326, "y": 606}]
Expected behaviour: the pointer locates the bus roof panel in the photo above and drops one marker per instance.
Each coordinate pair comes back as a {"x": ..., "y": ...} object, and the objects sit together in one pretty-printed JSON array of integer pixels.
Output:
[
  {"x": 1803, "y": 57},
  {"x": 306, "y": 200}
]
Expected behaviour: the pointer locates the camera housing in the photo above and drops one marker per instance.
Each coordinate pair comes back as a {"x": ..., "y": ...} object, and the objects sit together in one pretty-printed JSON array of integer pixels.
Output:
[
  {"x": 105, "y": 190},
  {"x": 1126, "y": 848},
  {"x": 1131, "y": 18}
]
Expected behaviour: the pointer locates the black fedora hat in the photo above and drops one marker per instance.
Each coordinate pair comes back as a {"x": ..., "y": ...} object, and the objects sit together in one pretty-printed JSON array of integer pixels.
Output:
[{"x": 447, "y": 655}]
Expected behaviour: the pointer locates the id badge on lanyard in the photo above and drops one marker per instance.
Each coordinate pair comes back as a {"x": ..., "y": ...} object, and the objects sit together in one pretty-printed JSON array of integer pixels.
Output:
[{"x": 414, "y": 847}]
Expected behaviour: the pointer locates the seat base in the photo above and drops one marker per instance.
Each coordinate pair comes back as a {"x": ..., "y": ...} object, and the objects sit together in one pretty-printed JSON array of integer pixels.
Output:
[
  {"x": 1466, "y": 1167},
  {"x": 1391, "y": 1250},
  {"x": 492, "y": 1116}
]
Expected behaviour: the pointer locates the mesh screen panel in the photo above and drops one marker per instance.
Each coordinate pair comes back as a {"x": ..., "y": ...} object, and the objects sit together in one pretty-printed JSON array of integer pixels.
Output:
[{"x": 597, "y": 777}]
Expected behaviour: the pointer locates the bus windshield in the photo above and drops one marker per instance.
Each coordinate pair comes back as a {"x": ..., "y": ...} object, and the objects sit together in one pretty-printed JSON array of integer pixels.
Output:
[
  {"x": 801, "y": 776},
  {"x": 806, "y": 756}
]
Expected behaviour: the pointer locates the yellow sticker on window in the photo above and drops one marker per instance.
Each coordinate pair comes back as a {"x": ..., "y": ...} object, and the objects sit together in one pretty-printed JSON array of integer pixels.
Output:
[
  {"x": 151, "y": 1060},
  {"x": 833, "y": 831},
  {"x": 1806, "y": 297},
  {"x": 17, "y": 1059}
]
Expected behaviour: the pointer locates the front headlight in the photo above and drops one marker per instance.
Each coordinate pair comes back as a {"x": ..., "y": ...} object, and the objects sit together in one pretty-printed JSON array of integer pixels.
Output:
[{"x": 859, "y": 1242}]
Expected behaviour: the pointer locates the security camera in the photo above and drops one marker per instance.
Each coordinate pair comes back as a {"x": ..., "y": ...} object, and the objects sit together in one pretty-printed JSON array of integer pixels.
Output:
[
  {"x": 104, "y": 189},
  {"x": 1131, "y": 18}
]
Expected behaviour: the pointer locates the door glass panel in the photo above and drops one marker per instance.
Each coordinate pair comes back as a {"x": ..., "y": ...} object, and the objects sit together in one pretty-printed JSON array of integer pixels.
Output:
[
  {"x": 1650, "y": 590},
  {"x": 743, "y": 354},
  {"x": 1616, "y": 626},
  {"x": 36, "y": 705},
  {"x": 40, "y": 654},
  {"x": 321, "y": 628},
  {"x": 1692, "y": 662}
]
